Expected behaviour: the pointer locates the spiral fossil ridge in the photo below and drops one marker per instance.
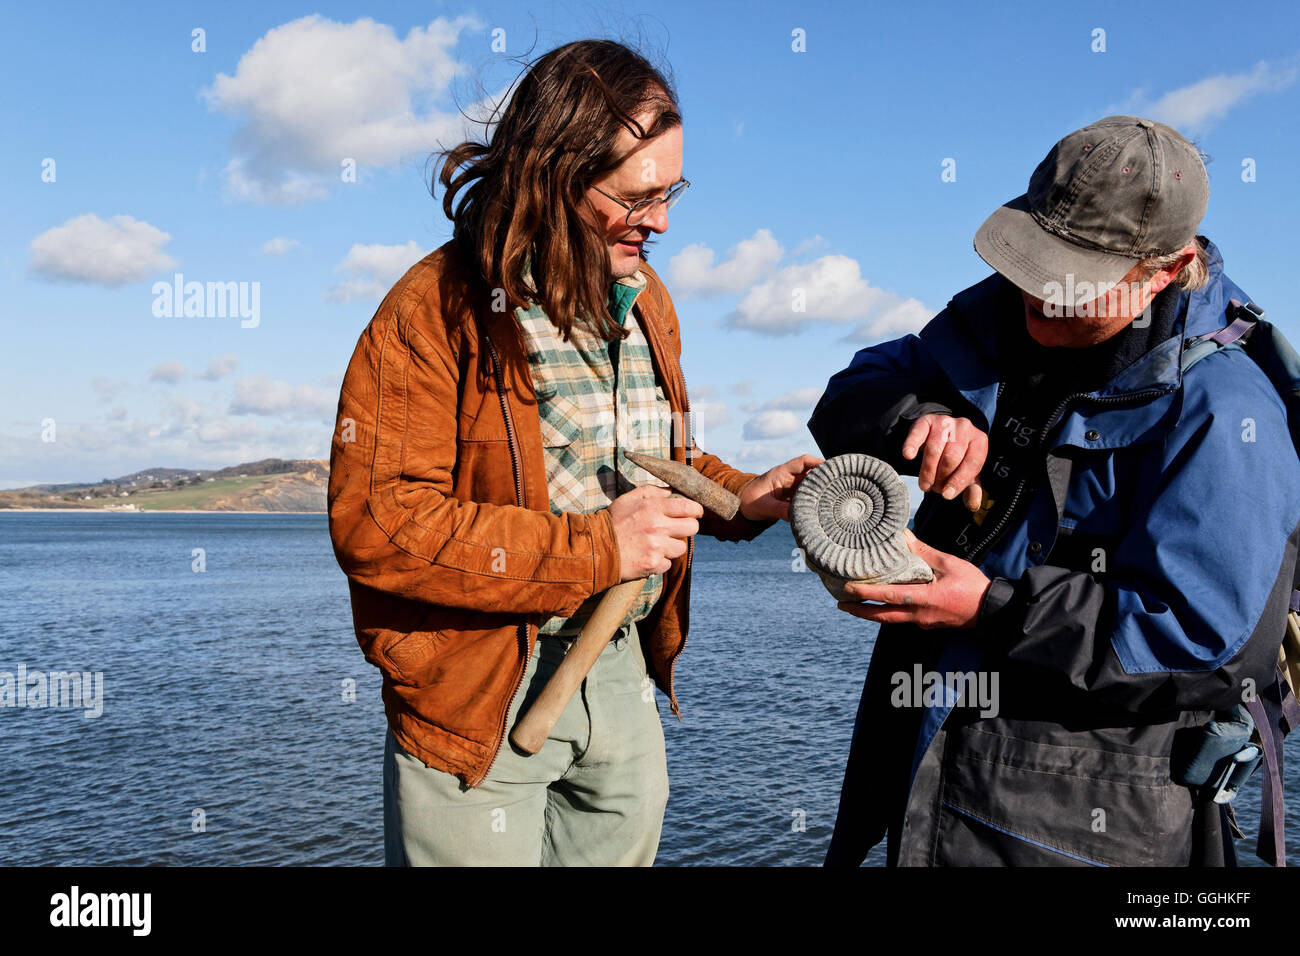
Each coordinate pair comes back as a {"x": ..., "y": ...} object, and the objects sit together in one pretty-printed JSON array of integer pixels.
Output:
[{"x": 848, "y": 516}]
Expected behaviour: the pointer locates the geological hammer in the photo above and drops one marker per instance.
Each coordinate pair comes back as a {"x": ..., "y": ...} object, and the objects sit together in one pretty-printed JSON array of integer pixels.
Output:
[{"x": 532, "y": 729}]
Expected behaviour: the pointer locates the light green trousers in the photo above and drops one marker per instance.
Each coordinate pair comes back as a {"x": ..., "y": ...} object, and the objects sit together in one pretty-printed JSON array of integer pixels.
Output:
[{"x": 594, "y": 795}]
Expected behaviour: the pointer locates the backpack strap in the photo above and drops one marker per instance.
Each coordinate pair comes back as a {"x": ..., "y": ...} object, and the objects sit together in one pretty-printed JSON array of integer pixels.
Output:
[
  {"x": 1244, "y": 318},
  {"x": 1275, "y": 709}
]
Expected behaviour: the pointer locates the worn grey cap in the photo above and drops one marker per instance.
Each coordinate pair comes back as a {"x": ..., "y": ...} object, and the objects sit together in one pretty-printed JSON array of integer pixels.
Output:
[{"x": 1107, "y": 196}]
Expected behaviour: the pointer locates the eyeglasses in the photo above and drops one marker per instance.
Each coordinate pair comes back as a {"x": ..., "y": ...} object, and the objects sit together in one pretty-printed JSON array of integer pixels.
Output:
[{"x": 637, "y": 213}]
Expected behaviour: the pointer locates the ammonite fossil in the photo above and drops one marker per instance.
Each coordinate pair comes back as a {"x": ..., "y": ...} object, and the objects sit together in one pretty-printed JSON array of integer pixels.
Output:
[{"x": 848, "y": 516}]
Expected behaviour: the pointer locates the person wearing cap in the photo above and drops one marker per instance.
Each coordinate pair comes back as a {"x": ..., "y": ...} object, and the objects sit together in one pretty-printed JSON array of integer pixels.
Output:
[{"x": 1113, "y": 541}]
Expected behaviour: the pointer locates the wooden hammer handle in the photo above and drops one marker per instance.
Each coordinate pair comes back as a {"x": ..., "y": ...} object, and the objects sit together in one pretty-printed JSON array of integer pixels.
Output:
[{"x": 532, "y": 729}]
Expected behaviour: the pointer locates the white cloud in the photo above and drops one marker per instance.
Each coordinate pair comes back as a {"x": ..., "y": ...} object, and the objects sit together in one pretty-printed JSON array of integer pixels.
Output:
[
  {"x": 220, "y": 367},
  {"x": 815, "y": 244},
  {"x": 259, "y": 395},
  {"x": 709, "y": 415},
  {"x": 783, "y": 301},
  {"x": 692, "y": 273},
  {"x": 88, "y": 249},
  {"x": 1193, "y": 108},
  {"x": 798, "y": 400},
  {"x": 893, "y": 320},
  {"x": 107, "y": 388},
  {"x": 226, "y": 431},
  {"x": 761, "y": 456},
  {"x": 772, "y": 424},
  {"x": 315, "y": 92},
  {"x": 373, "y": 269},
  {"x": 288, "y": 188},
  {"x": 279, "y": 246},
  {"x": 167, "y": 372},
  {"x": 181, "y": 415},
  {"x": 185, "y": 434},
  {"x": 828, "y": 289}
]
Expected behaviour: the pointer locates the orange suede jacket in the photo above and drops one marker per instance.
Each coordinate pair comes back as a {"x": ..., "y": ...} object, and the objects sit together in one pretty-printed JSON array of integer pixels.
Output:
[{"x": 440, "y": 515}]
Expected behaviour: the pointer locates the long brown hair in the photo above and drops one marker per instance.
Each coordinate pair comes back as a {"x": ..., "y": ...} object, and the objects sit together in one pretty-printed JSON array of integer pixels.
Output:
[{"x": 521, "y": 194}]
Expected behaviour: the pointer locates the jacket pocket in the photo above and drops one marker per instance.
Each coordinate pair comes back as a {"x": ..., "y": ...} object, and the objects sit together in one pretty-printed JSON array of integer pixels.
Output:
[
  {"x": 483, "y": 421},
  {"x": 564, "y": 448},
  {"x": 412, "y": 655},
  {"x": 401, "y": 636},
  {"x": 561, "y": 422},
  {"x": 1012, "y": 801},
  {"x": 966, "y": 839}
]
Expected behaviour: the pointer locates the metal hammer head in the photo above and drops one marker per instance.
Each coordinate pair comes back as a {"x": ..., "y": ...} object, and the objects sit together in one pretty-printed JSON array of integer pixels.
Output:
[{"x": 689, "y": 483}]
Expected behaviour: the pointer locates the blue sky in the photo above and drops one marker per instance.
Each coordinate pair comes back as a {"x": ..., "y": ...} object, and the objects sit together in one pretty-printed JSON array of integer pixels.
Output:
[{"x": 819, "y": 167}]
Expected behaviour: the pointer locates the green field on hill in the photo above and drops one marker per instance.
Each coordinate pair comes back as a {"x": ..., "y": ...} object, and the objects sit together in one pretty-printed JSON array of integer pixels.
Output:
[{"x": 195, "y": 497}]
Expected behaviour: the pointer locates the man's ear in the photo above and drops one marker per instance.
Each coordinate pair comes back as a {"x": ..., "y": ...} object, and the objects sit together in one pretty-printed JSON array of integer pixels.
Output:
[{"x": 1168, "y": 275}]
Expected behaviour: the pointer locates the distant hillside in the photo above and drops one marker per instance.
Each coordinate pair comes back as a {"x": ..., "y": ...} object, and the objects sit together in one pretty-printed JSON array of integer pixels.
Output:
[{"x": 273, "y": 484}]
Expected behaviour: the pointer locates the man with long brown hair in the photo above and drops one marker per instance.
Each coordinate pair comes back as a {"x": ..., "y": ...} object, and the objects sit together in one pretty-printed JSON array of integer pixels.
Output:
[{"x": 479, "y": 501}]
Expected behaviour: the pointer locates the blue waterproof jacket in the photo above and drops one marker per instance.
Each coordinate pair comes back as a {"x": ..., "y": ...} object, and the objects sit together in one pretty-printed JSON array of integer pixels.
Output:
[{"x": 1140, "y": 587}]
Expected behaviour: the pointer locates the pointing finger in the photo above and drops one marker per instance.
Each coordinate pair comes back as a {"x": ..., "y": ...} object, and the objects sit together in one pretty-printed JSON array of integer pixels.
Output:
[{"x": 915, "y": 438}]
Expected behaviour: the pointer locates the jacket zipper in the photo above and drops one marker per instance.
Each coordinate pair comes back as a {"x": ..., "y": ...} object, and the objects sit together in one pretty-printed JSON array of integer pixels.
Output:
[
  {"x": 689, "y": 443},
  {"x": 511, "y": 441},
  {"x": 656, "y": 335},
  {"x": 1007, "y": 515}
]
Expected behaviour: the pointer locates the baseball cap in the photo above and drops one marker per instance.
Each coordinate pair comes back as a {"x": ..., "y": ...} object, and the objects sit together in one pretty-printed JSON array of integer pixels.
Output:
[{"x": 1107, "y": 196}]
